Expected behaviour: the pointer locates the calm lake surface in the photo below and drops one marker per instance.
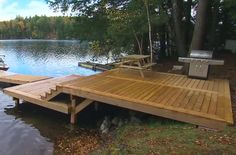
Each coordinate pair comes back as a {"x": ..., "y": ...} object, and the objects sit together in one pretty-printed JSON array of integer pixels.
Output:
[
  {"x": 31, "y": 129},
  {"x": 45, "y": 57}
]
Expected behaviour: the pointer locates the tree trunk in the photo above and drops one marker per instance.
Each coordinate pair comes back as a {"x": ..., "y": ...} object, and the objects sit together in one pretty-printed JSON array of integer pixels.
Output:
[
  {"x": 168, "y": 44},
  {"x": 149, "y": 30},
  {"x": 188, "y": 24},
  {"x": 162, "y": 42},
  {"x": 200, "y": 26},
  {"x": 178, "y": 26},
  {"x": 145, "y": 44},
  {"x": 171, "y": 37},
  {"x": 214, "y": 24},
  {"x": 140, "y": 43}
]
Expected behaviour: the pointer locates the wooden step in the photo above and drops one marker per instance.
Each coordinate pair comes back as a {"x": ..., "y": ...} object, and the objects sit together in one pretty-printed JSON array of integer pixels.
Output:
[{"x": 51, "y": 94}]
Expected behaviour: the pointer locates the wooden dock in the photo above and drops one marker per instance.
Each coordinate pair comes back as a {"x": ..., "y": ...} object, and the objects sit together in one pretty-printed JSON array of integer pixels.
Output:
[
  {"x": 13, "y": 78},
  {"x": 96, "y": 66},
  {"x": 35, "y": 93},
  {"x": 201, "y": 102}
]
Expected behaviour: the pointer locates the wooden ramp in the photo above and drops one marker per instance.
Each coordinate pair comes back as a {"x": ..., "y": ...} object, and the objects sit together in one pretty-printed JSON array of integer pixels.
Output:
[
  {"x": 201, "y": 102},
  {"x": 36, "y": 91},
  {"x": 13, "y": 78}
]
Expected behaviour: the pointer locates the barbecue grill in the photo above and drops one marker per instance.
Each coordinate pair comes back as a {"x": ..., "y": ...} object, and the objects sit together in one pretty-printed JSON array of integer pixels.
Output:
[{"x": 199, "y": 61}]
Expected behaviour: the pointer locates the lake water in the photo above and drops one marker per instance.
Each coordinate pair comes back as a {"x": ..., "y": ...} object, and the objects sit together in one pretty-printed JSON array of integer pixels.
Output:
[
  {"x": 45, "y": 57},
  {"x": 30, "y": 129}
]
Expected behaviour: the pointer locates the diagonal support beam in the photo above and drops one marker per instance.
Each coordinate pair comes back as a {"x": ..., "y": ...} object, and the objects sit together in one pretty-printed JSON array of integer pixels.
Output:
[
  {"x": 77, "y": 107},
  {"x": 83, "y": 105}
]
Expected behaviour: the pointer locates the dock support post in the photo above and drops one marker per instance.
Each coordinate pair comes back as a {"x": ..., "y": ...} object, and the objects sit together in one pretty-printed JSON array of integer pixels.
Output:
[
  {"x": 73, "y": 116},
  {"x": 17, "y": 102},
  {"x": 96, "y": 106}
]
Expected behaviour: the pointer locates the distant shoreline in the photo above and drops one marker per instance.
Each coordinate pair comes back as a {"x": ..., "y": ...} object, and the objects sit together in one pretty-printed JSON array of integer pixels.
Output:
[{"x": 74, "y": 40}]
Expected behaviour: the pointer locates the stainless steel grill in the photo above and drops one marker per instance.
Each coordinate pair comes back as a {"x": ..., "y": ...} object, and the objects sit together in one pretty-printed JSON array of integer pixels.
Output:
[
  {"x": 199, "y": 61},
  {"x": 201, "y": 54}
]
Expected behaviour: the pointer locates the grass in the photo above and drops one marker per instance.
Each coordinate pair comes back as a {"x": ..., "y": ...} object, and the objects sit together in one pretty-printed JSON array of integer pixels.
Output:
[{"x": 168, "y": 137}]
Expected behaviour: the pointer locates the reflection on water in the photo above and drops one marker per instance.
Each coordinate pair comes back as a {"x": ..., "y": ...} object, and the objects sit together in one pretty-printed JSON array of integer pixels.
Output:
[
  {"x": 45, "y": 57},
  {"x": 30, "y": 129},
  {"x": 18, "y": 137}
]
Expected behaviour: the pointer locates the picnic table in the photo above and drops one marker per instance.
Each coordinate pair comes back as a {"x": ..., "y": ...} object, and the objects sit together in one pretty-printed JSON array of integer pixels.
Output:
[{"x": 139, "y": 62}]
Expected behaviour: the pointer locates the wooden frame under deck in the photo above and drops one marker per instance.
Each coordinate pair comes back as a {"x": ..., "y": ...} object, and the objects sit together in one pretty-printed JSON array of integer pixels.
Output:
[
  {"x": 33, "y": 92},
  {"x": 180, "y": 116},
  {"x": 77, "y": 107},
  {"x": 57, "y": 106}
]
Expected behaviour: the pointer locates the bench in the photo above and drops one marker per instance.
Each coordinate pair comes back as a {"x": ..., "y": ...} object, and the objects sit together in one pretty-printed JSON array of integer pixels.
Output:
[{"x": 138, "y": 62}]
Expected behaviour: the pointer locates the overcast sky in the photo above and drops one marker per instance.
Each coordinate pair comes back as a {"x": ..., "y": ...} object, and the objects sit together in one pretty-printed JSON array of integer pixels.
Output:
[{"x": 9, "y": 9}]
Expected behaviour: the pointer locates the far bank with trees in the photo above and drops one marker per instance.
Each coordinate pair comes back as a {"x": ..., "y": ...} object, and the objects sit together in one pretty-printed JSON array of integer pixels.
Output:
[
  {"x": 39, "y": 27},
  {"x": 163, "y": 27}
]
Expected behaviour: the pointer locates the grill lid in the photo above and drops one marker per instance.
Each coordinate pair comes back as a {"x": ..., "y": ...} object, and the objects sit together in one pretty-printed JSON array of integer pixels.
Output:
[{"x": 201, "y": 54}]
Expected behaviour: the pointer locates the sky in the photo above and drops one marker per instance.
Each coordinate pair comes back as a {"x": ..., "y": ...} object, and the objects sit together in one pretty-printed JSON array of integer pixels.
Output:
[{"x": 9, "y": 9}]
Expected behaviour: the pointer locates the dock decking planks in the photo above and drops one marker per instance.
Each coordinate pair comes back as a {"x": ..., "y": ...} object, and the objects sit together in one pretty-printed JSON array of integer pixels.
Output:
[
  {"x": 13, "y": 78},
  {"x": 201, "y": 102},
  {"x": 32, "y": 92}
]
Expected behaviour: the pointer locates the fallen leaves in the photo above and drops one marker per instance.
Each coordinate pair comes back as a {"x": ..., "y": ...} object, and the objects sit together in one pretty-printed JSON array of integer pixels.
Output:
[
  {"x": 201, "y": 143},
  {"x": 223, "y": 139},
  {"x": 155, "y": 142},
  {"x": 77, "y": 143}
]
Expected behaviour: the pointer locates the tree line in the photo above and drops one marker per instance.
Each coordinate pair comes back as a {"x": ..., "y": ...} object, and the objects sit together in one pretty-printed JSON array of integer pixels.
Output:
[
  {"x": 165, "y": 27},
  {"x": 39, "y": 27},
  {"x": 160, "y": 27}
]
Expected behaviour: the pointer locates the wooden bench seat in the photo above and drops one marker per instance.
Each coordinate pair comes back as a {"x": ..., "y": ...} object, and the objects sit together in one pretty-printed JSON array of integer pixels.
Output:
[
  {"x": 149, "y": 65},
  {"x": 123, "y": 62},
  {"x": 137, "y": 67}
]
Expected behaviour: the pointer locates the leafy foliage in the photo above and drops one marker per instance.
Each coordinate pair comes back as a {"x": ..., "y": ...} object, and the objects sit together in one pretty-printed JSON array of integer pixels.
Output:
[
  {"x": 122, "y": 23},
  {"x": 122, "y": 26}
]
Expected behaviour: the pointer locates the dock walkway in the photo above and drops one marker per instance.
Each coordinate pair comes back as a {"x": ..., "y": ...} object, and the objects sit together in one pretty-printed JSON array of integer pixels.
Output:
[
  {"x": 14, "y": 78},
  {"x": 201, "y": 102},
  {"x": 36, "y": 92}
]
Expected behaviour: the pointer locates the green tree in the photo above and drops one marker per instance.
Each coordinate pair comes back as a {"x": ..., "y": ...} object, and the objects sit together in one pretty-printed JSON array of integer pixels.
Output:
[{"x": 39, "y": 27}]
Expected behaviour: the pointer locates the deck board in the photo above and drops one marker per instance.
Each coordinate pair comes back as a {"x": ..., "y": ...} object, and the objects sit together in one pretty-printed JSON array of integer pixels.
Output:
[
  {"x": 176, "y": 93},
  {"x": 200, "y": 102},
  {"x": 13, "y": 78},
  {"x": 32, "y": 92},
  {"x": 173, "y": 100},
  {"x": 206, "y": 103}
]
